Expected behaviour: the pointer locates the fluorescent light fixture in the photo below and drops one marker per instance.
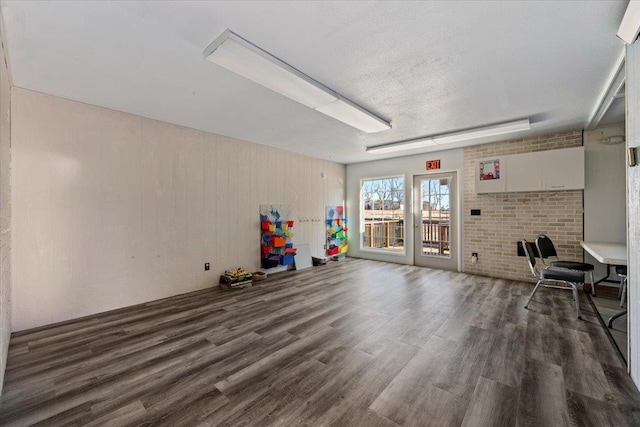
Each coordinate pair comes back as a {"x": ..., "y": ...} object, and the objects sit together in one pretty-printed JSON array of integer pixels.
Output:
[
  {"x": 448, "y": 138},
  {"x": 249, "y": 61},
  {"x": 630, "y": 25},
  {"x": 482, "y": 132},
  {"x": 615, "y": 85},
  {"x": 351, "y": 114},
  {"x": 401, "y": 146}
]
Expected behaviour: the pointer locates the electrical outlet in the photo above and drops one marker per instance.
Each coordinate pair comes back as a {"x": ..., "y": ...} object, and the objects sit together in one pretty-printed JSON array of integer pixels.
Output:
[
  {"x": 206, "y": 266},
  {"x": 474, "y": 258}
]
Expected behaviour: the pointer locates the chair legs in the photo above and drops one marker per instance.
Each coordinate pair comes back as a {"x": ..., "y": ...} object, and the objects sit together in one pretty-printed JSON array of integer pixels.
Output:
[
  {"x": 575, "y": 297},
  {"x": 623, "y": 291},
  {"x": 610, "y": 323},
  {"x": 532, "y": 294},
  {"x": 620, "y": 289},
  {"x": 574, "y": 290},
  {"x": 593, "y": 284}
]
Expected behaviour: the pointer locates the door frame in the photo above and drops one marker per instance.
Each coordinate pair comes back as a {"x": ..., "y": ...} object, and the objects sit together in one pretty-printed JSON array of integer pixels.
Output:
[{"x": 456, "y": 213}]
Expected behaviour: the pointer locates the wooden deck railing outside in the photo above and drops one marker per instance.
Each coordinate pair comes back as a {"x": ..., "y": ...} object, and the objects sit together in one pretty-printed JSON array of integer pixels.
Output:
[{"x": 389, "y": 233}]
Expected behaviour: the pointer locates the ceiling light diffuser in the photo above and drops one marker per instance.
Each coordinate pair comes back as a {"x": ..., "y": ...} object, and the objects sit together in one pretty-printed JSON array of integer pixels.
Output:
[
  {"x": 351, "y": 114},
  {"x": 401, "y": 146},
  {"x": 448, "y": 138},
  {"x": 615, "y": 86},
  {"x": 630, "y": 25},
  {"x": 482, "y": 132},
  {"x": 249, "y": 61}
]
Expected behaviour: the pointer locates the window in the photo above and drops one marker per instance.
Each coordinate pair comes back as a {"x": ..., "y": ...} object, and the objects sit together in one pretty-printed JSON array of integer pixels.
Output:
[{"x": 383, "y": 213}]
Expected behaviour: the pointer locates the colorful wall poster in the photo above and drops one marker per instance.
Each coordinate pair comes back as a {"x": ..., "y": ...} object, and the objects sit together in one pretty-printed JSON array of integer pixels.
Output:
[
  {"x": 276, "y": 231},
  {"x": 489, "y": 169},
  {"x": 336, "y": 231}
]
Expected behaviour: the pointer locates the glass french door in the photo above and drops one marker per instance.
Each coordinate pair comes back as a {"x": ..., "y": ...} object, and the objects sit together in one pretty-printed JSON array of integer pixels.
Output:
[{"x": 435, "y": 221}]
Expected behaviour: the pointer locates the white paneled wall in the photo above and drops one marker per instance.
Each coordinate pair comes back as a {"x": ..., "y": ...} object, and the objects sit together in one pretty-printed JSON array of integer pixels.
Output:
[
  {"x": 633, "y": 208},
  {"x": 604, "y": 191},
  {"x": 5, "y": 213},
  {"x": 114, "y": 209}
]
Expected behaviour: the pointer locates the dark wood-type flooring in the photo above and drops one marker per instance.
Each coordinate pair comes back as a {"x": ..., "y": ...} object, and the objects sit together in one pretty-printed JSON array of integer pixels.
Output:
[{"x": 352, "y": 343}]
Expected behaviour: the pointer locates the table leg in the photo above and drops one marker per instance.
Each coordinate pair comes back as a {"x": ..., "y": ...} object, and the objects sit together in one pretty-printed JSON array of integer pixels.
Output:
[
  {"x": 604, "y": 279},
  {"x": 587, "y": 286}
]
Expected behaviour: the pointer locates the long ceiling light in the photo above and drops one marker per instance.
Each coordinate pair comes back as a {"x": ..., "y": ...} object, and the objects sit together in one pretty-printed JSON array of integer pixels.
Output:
[
  {"x": 244, "y": 58},
  {"x": 448, "y": 138},
  {"x": 630, "y": 25},
  {"x": 401, "y": 146},
  {"x": 484, "y": 131},
  {"x": 613, "y": 90}
]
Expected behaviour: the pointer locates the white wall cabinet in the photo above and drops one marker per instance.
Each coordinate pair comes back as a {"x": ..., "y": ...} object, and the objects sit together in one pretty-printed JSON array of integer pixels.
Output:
[
  {"x": 526, "y": 172},
  {"x": 563, "y": 169},
  {"x": 552, "y": 170}
]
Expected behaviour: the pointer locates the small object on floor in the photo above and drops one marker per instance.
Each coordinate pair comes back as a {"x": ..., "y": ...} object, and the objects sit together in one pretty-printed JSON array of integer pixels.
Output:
[
  {"x": 318, "y": 261},
  {"x": 259, "y": 276},
  {"x": 236, "y": 279},
  {"x": 237, "y": 285}
]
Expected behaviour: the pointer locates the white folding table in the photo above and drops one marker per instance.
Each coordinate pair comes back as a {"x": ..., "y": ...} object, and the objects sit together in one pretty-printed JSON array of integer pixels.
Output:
[
  {"x": 611, "y": 254},
  {"x": 607, "y": 253}
]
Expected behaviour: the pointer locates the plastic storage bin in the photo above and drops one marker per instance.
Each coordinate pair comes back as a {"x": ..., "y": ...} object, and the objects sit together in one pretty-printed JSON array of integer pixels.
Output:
[
  {"x": 270, "y": 262},
  {"x": 278, "y": 242},
  {"x": 287, "y": 259}
]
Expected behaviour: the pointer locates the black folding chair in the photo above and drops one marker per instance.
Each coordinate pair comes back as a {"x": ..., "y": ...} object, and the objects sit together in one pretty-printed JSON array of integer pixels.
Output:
[
  {"x": 549, "y": 258},
  {"x": 558, "y": 278}
]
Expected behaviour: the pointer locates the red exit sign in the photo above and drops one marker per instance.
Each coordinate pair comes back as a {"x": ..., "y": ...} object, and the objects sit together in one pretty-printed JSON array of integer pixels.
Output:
[{"x": 433, "y": 164}]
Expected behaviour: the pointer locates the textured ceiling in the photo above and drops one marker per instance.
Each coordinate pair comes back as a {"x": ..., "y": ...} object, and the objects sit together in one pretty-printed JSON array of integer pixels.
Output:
[{"x": 427, "y": 67}]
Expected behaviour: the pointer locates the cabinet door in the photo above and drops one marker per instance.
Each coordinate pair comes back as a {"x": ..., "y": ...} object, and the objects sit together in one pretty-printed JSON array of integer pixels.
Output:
[
  {"x": 563, "y": 169},
  {"x": 525, "y": 172}
]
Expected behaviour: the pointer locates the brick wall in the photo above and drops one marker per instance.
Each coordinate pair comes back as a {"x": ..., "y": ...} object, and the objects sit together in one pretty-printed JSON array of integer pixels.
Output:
[{"x": 509, "y": 217}]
